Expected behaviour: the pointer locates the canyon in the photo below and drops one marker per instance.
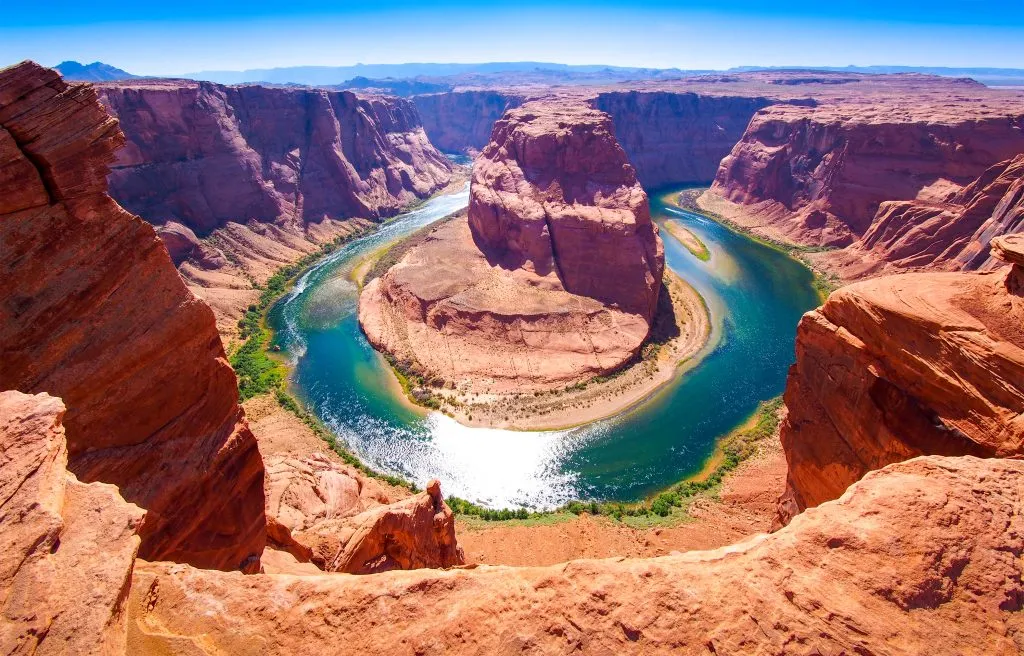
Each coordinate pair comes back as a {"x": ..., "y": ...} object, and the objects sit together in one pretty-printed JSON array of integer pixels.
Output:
[
  {"x": 551, "y": 279},
  {"x": 243, "y": 180},
  {"x": 144, "y": 510}
]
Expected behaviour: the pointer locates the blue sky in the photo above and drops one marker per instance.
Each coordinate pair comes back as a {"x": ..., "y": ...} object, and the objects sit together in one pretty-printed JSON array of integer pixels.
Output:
[{"x": 162, "y": 38}]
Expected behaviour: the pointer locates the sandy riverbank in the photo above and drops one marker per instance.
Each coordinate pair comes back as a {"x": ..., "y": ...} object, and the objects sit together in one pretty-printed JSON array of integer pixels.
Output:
[{"x": 688, "y": 239}]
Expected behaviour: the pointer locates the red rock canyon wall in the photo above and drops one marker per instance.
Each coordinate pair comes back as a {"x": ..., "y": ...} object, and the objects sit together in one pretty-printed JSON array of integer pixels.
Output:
[
  {"x": 92, "y": 309},
  {"x": 203, "y": 154}
]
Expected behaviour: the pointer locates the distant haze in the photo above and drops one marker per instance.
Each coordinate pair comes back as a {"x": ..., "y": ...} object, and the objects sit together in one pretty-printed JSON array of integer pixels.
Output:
[{"x": 168, "y": 38}]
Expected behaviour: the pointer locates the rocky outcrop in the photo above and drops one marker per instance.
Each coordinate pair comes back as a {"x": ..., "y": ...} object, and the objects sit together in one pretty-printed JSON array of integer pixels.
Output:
[
  {"x": 204, "y": 154},
  {"x": 954, "y": 233},
  {"x": 677, "y": 137},
  {"x": 554, "y": 276},
  {"x": 895, "y": 367},
  {"x": 921, "y": 557},
  {"x": 92, "y": 309},
  {"x": 818, "y": 176},
  {"x": 554, "y": 193},
  {"x": 342, "y": 521},
  {"x": 66, "y": 548},
  {"x": 462, "y": 121}
]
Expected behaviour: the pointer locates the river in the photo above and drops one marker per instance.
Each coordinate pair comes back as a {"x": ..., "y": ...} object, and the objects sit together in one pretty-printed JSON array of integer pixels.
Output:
[{"x": 755, "y": 293}]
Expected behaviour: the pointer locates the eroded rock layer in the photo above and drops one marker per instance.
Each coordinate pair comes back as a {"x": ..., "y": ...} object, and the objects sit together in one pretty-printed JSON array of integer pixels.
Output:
[
  {"x": 954, "y": 233},
  {"x": 676, "y": 137},
  {"x": 921, "y": 557},
  {"x": 895, "y": 367},
  {"x": 203, "y": 154},
  {"x": 66, "y": 548},
  {"x": 554, "y": 193},
  {"x": 462, "y": 121},
  {"x": 93, "y": 310},
  {"x": 818, "y": 175},
  {"x": 552, "y": 278}
]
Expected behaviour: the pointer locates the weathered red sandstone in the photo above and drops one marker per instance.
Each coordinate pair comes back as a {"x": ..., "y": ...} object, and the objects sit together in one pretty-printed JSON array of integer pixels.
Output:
[
  {"x": 553, "y": 278},
  {"x": 676, "y": 137},
  {"x": 818, "y": 175},
  {"x": 954, "y": 233},
  {"x": 896, "y": 367},
  {"x": 66, "y": 548},
  {"x": 462, "y": 121},
  {"x": 921, "y": 557},
  {"x": 203, "y": 154},
  {"x": 345, "y": 522},
  {"x": 92, "y": 310}
]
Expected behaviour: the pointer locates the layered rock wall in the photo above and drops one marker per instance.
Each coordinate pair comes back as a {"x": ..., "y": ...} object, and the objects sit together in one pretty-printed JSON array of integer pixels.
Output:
[
  {"x": 818, "y": 176},
  {"x": 895, "y": 367},
  {"x": 461, "y": 121},
  {"x": 92, "y": 309},
  {"x": 203, "y": 154},
  {"x": 673, "y": 138},
  {"x": 554, "y": 193}
]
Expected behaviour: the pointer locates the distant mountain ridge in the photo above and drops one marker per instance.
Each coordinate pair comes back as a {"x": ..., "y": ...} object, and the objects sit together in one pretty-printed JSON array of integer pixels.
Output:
[{"x": 94, "y": 72}]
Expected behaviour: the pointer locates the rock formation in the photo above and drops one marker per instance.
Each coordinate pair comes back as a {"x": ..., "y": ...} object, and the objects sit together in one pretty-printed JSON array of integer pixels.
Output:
[
  {"x": 344, "y": 522},
  {"x": 461, "y": 121},
  {"x": 203, "y": 154},
  {"x": 93, "y": 310},
  {"x": 921, "y": 557},
  {"x": 676, "y": 137},
  {"x": 554, "y": 279},
  {"x": 67, "y": 548},
  {"x": 895, "y": 367},
  {"x": 954, "y": 233},
  {"x": 818, "y": 175}
]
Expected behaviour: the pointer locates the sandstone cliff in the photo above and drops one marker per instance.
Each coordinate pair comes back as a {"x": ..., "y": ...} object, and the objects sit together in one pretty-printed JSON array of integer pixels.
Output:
[
  {"x": 93, "y": 310},
  {"x": 553, "y": 278},
  {"x": 818, "y": 175},
  {"x": 676, "y": 137},
  {"x": 66, "y": 548},
  {"x": 921, "y": 557},
  {"x": 895, "y": 367},
  {"x": 203, "y": 154},
  {"x": 461, "y": 121},
  {"x": 954, "y": 233}
]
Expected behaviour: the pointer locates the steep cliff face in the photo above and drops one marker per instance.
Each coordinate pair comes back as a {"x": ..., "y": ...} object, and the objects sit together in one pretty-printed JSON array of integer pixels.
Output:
[
  {"x": 203, "y": 154},
  {"x": 553, "y": 278},
  {"x": 554, "y": 193},
  {"x": 461, "y": 121},
  {"x": 921, "y": 557},
  {"x": 818, "y": 176},
  {"x": 93, "y": 310},
  {"x": 896, "y": 367},
  {"x": 66, "y": 548},
  {"x": 677, "y": 137},
  {"x": 954, "y": 233}
]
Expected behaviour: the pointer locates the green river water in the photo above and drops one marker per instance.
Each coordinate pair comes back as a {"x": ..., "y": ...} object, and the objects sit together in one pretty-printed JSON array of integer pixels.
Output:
[{"x": 755, "y": 293}]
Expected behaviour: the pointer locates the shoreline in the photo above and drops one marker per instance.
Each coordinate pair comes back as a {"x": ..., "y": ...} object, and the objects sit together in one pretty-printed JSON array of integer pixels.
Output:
[
  {"x": 659, "y": 364},
  {"x": 825, "y": 280}
]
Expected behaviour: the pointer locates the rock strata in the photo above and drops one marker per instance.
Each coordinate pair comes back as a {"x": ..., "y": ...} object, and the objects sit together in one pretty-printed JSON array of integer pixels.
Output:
[
  {"x": 552, "y": 278},
  {"x": 818, "y": 175},
  {"x": 93, "y": 310},
  {"x": 204, "y": 154},
  {"x": 66, "y": 548},
  {"x": 920, "y": 557},
  {"x": 895, "y": 367}
]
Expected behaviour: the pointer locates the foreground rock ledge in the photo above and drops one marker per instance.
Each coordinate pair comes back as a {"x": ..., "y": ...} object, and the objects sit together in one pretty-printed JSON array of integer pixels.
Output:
[
  {"x": 920, "y": 557},
  {"x": 901, "y": 366}
]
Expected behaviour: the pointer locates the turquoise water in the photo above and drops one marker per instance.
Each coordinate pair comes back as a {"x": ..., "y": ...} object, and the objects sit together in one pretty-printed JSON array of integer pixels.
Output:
[{"x": 755, "y": 294}]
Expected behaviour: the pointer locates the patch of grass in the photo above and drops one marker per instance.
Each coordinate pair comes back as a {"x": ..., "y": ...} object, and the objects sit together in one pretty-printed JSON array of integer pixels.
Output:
[{"x": 668, "y": 506}]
